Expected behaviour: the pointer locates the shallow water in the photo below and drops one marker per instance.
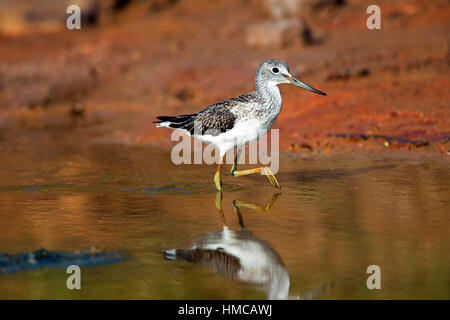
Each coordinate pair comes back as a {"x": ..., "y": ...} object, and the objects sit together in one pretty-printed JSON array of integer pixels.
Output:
[{"x": 333, "y": 219}]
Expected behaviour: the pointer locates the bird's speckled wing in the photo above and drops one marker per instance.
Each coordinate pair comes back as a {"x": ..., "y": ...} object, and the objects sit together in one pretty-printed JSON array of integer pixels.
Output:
[{"x": 215, "y": 119}]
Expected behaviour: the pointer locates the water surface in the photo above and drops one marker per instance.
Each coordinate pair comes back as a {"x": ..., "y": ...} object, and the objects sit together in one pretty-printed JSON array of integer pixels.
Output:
[{"x": 334, "y": 218}]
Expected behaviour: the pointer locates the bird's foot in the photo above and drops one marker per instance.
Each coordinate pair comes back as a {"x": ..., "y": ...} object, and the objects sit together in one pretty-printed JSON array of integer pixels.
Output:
[{"x": 269, "y": 174}]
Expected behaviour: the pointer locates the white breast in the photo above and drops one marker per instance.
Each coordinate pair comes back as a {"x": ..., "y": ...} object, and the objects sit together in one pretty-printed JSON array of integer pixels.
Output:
[{"x": 243, "y": 133}]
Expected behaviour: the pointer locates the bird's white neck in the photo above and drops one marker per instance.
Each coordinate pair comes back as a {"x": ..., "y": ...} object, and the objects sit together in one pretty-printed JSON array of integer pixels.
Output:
[{"x": 270, "y": 93}]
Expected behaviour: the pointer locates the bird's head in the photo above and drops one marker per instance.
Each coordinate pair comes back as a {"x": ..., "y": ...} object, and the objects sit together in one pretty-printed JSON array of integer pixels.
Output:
[{"x": 275, "y": 72}]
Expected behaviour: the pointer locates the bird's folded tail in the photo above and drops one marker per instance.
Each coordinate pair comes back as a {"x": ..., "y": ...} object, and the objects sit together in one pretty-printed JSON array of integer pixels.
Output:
[{"x": 184, "y": 121}]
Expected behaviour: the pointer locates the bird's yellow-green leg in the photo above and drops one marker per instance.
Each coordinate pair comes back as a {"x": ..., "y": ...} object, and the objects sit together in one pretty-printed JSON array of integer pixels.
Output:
[
  {"x": 219, "y": 206},
  {"x": 237, "y": 204},
  {"x": 217, "y": 180},
  {"x": 219, "y": 200},
  {"x": 236, "y": 158},
  {"x": 265, "y": 170},
  {"x": 244, "y": 204}
]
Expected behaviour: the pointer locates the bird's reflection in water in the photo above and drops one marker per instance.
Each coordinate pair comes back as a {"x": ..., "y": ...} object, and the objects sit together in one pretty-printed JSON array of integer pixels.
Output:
[{"x": 238, "y": 255}]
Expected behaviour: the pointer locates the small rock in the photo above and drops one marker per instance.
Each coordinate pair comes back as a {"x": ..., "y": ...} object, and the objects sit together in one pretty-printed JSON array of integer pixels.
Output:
[
  {"x": 77, "y": 110},
  {"x": 280, "y": 9},
  {"x": 293, "y": 147},
  {"x": 420, "y": 143},
  {"x": 185, "y": 94},
  {"x": 307, "y": 35},
  {"x": 118, "y": 4},
  {"x": 281, "y": 33},
  {"x": 395, "y": 113},
  {"x": 363, "y": 72},
  {"x": 346, "y": 74},
  {"x": 306, "y": 146}
]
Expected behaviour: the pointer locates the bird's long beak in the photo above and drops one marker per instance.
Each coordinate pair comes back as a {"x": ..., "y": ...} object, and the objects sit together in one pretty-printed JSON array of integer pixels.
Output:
[{"x": 300, "y": 84}]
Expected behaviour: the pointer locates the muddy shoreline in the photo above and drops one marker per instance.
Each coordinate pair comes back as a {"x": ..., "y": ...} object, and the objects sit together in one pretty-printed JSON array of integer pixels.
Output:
[{"x": 140, "y": 62}]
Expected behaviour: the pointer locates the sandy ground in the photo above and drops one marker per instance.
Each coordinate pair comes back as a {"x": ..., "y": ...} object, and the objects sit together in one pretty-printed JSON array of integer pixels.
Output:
[{"x": 388, "y": 90}]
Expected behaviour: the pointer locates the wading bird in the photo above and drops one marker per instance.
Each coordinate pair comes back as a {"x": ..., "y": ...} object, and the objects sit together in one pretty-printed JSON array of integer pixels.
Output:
[{"x": 236, "y": 122}]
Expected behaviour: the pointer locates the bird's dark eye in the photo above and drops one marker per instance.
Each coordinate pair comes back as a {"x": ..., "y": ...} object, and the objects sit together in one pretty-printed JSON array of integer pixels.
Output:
[{"x": 275, "y": 70}]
